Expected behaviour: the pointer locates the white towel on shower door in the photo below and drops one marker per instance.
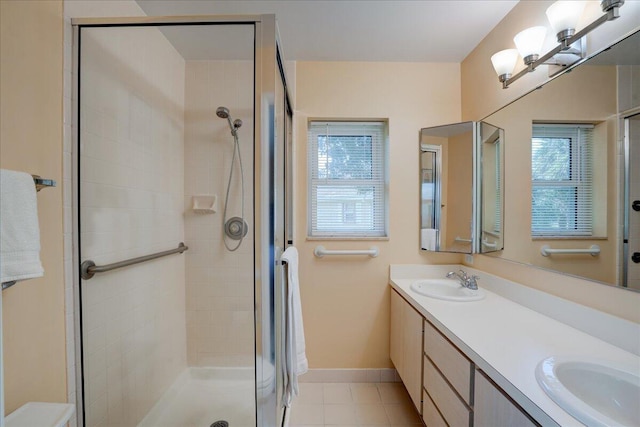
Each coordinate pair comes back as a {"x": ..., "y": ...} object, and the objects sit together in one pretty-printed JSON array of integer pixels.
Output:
[
  {"x": 19, "y": 230},
  {"x": 295, "y": 356}
]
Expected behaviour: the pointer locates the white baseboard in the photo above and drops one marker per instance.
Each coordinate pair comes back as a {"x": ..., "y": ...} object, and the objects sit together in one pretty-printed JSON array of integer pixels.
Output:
[{"x": 350, "y": 376}]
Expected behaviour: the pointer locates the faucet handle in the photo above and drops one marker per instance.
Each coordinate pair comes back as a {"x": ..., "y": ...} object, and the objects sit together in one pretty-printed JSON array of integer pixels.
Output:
[
  {"x": 463, "y": 274},
  {"x": 473, "y": 282}
]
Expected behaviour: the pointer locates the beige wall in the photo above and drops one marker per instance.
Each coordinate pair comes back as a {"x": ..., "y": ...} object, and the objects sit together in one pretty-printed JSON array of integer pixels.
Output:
[
  {"x": 345, "y": 301},
  {"x": 482, "y": 94},
  {"x": 31, "y": 46},
  {"x": 458, "y": 203}
]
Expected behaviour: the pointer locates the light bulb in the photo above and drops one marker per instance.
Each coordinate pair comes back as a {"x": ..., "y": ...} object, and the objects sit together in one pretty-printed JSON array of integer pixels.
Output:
[
  {"x": 529, "y": 43},
  {"x": 504, "y": 62},
  {"x": 563, "y": 16}
]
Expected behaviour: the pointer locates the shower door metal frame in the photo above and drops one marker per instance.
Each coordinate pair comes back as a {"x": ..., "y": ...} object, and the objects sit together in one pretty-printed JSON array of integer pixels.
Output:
[{"x": 268, "y": 73}]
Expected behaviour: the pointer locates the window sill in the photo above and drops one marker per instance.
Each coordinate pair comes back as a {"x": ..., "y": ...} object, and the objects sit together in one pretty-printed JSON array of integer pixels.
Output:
[
  {"x": 346, "y": 239},
  {"x": 538, "y": 238}
]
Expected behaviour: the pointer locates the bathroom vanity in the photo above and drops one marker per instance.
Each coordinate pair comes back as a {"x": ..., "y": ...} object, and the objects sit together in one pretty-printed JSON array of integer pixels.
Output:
[{"x": 473, "y": 363}]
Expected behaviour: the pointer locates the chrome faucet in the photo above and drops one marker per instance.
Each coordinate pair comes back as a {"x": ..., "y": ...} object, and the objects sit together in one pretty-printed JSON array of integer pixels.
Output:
[{"x": 469, "y": 282}]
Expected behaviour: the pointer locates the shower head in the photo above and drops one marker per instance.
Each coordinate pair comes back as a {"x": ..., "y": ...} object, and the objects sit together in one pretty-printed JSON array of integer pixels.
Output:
[{"x": 222, "y": 112}]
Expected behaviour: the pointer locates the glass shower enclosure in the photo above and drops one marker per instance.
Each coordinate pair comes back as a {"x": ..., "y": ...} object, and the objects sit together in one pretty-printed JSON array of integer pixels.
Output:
[{"x": 181, "y": 125}]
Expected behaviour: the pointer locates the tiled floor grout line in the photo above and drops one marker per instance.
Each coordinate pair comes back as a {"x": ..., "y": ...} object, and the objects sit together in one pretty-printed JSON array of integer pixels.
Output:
[{"x": 353, "y": 404}]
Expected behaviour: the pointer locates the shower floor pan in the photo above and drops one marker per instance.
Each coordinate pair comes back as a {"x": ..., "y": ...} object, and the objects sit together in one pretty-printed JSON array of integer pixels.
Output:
[{"x": 202, "y": 396}]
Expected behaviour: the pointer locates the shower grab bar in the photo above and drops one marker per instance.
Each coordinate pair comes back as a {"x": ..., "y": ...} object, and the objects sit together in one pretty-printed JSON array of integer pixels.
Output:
[
  {"x": 459, "y": 239},
  {"x": 593, "y": 250},
  {"x": 89, "y": 268},
  {"x": 321, "y": 251},
  {"x": 490, "y": 245}
]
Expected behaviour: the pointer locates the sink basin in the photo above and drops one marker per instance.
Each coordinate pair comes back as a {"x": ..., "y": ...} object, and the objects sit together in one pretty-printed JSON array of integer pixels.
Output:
[
  {"x": 446, "y": 289},
  {"x": 597, "y": 393}
]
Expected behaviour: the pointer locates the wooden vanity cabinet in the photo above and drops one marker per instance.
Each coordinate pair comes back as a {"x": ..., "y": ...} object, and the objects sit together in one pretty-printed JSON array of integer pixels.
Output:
[
  {"x": 406, "y": 346},
  {"x": 493, "y": 408},
  {"x": 445, "y": 385}
]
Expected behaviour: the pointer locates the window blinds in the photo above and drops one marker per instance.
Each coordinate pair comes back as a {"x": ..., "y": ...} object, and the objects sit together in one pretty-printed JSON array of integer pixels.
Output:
[
  {"x": 347, "y": 188},
  {"x": 562, "y": 180}
]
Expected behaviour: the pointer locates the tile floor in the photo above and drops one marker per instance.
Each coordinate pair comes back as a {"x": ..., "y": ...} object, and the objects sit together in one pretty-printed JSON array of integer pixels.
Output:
[{"x": 353, "y": 404}]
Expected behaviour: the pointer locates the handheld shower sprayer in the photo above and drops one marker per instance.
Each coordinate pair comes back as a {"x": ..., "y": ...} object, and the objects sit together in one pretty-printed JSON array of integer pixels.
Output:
[
  {"x": 235, "y": 228},
  {"x": 223, "y": 113}
]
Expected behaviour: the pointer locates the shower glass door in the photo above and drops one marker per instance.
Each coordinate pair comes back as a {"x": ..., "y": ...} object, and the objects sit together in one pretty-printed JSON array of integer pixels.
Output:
[
  {"x": 173, "y": 341},
  {"x": 631, "y": 264}
]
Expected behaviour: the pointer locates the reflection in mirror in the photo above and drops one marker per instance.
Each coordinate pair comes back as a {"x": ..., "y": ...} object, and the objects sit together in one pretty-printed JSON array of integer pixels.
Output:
[
  {"x": 430, "y": 190},
  {"x": 565, "y": 170},
  {"x": 492, "y": 196},
  {"x": 446, "y": 163}
]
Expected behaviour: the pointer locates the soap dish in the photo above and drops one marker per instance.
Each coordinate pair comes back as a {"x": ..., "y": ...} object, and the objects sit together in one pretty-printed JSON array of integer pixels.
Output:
[{"x": 205, "y": 204}]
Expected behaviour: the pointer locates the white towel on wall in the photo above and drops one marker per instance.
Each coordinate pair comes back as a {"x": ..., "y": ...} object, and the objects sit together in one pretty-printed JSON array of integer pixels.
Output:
[
  {"x": 429, "y": 238},
  {"x": 19, "y": 230},
  {"x": 295, "y": 356}
]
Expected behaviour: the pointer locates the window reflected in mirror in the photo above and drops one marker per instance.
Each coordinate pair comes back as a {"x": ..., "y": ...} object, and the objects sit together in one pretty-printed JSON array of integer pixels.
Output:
[{"x": 568, "y": 164}]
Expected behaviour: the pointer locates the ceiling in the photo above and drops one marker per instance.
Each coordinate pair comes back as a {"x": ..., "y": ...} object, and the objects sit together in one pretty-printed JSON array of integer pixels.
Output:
[{"x": 353, "y": 30}]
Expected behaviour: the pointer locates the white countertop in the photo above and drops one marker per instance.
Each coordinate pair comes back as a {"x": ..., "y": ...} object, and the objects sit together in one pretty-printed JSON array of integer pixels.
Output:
[{"x": 507, "y": 340}]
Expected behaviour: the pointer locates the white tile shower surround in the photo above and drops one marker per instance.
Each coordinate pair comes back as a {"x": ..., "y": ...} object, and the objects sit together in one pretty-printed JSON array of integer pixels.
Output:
[
  {"x": 353, "y": 404},
  {"x": 219, "y": 283},
  {"x": 201, "y": 396}
]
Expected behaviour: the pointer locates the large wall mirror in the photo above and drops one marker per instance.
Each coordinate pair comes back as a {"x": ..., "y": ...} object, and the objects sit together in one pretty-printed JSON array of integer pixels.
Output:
[
  {"x": 572, "y": 178},
  {"x": 461, "y": 164}
]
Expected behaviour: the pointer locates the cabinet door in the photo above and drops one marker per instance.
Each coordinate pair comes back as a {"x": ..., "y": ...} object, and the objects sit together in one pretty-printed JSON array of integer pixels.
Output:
[
  {"x": 395, "y": 348},
  {"x": 412, "y": 361},
  {"x": 406, "y": 345},
  {"x": 492, "y": 408}
]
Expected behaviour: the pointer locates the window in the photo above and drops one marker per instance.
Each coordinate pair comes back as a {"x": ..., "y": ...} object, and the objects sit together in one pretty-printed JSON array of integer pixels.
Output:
[
  {"x": 347, "y": 179},
  {"x": 561, "y": 171}
]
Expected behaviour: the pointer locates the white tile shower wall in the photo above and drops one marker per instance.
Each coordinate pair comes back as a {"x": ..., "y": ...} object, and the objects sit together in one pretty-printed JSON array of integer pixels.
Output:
[
  {"x": 219, "y": 285},
  {"x": 132, "y": 168}
]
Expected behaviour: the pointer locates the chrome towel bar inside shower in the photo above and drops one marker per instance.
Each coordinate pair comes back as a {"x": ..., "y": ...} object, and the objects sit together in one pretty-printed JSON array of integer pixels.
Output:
[{"x": 89, "y": 268}]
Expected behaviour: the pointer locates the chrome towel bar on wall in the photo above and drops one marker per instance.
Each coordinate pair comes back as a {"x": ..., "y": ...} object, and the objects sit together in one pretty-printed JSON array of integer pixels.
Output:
[
  {"x": 88, "y": 268},
  {"x": 41, "y": 183},
  {"x": 321, "y": 251},
  {"x": 593, "y": 250}
]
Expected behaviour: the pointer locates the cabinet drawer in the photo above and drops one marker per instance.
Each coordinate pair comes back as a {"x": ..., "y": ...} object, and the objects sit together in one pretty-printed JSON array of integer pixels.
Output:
[
  {"x": 451, "y": 362},
  {"x": 430, "y": 414},
  {"x": 455, "y": 412}
]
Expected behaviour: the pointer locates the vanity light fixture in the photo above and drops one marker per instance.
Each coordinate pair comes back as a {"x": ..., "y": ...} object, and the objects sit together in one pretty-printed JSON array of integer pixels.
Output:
[
  {"x": 563, "y": 17},
  {"x": 504, "y": 62},
  {"x": 529, "y": 43}
]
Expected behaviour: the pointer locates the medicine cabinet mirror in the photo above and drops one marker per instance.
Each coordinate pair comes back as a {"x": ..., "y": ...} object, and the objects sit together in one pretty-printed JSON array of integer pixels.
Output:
[
  {"x": 461, "y": 188},
  {"x": 572, "y": 181}
]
